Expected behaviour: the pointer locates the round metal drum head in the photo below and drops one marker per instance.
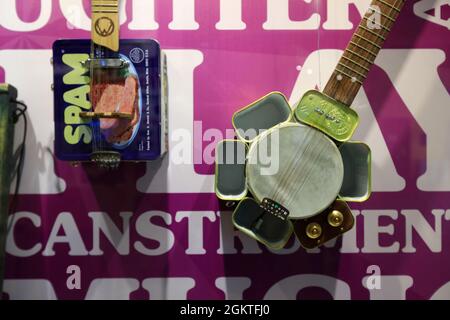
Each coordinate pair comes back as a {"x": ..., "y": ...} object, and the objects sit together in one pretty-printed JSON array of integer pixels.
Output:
[{"x": 296, "y": 166}]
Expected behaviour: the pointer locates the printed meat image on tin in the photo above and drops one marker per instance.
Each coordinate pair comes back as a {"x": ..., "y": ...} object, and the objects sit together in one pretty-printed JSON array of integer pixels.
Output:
[{"x": 121, "y": 96}]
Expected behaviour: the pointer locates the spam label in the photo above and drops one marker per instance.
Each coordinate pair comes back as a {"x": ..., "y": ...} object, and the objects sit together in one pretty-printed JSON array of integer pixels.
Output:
[{"x": 139, "y": 89}]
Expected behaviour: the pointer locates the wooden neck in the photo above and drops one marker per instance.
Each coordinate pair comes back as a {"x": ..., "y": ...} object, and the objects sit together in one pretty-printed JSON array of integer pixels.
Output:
[
  {"x": 105, "y": 23},
  {"x": 362, "y": 50}
]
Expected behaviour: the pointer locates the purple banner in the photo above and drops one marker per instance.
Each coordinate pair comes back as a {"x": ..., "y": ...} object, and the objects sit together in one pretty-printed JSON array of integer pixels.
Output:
[{"x": 157, "y": 230}]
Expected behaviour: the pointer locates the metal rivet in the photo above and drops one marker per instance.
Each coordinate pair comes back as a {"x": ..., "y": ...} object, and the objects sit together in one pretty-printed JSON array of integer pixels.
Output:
[
  {"x": 335, "y": 218},
  {"x": 313, "y": 230},
  {"x": 230, "y": 204}
]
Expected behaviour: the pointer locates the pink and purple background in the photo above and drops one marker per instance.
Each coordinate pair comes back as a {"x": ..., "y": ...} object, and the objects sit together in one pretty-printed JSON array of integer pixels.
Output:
[{"x": 238, "y": 67}]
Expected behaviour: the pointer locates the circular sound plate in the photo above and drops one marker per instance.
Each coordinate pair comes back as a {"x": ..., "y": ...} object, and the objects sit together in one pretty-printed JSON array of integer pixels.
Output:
[{"x": 296, "y": 166}]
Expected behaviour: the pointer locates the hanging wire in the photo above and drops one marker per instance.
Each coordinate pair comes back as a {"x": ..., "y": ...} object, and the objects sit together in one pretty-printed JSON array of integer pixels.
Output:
[{"x": 318, "y": 43}]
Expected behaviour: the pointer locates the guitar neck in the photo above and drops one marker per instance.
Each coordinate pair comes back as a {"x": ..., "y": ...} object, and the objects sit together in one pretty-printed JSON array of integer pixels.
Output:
[
  {"x": 105, "y": 24},
  {"x": 361, "y": 52},
  {"x": 104, "y": 45}
]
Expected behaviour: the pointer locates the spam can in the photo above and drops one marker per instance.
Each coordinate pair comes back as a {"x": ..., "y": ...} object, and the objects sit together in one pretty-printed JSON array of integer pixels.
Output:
[{"x": 142, "y": 138}]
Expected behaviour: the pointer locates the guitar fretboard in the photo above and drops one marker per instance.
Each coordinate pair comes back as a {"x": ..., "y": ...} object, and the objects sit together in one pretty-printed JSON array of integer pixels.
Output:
[{"x": 362, "y": 50}]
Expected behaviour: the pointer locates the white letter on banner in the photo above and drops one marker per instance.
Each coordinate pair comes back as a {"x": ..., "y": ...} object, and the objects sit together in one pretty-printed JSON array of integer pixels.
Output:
[
  {"x": 77, "y": 18},
  {"x": 112, "y": 289},
  {"x": 71, "y": 236},
  {"x": 168, "y": 288},
  {"x": 143, "y": 15},
  {"x": 164, "y": 176},
  {"x": 233, "y": 287},
  {"x": 195, "y": 228},
  {"x": 391, "y": 288},
  {"x": 29, "y": 289},
  {"x": 414, "y": 73},
  {"x": 415, "y": 221},
  {"x": 288, "y": 288},
  {"x": 11, "y": 245},
  {"x": 10, "y": 19},
  {"x": 183, "y": 15},
  {"x": 230, "y": 15},
  {"x": 278, "y": 18},
  {"x": 103, "y": 224},
  {"x": 148, "y": 230},
  {"x": 372, "y": 231},
  {"x": 338, "y": 13}
]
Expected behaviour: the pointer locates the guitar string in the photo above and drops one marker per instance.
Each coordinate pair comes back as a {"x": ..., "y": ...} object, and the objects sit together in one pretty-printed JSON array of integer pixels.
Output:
[
  {"x": 318, "y": 47},
  {"x": 309, "y": 167},
  {"x": 308, "y": 170},
  {"x": 273, "y": 190},
  {"x": 92, "y": 82},
  {"x": 391, "y": 10},
  {"x": 277, "y": 186},
  {"x": 276, "y": 189},
  {"x": 285, "y": 178},
  {"x": 300, "y": 165},
  {"x": 297, "y": 166},
  {"x": 358, "y": 40},
  {"x": 98, "y": 78},
  {"x": 293, "y": 167},
  {"x": 102, "y": 79}
]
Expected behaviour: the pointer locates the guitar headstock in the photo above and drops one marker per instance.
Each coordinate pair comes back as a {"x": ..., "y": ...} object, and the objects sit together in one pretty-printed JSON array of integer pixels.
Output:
[{"x": 105, "y": 23}]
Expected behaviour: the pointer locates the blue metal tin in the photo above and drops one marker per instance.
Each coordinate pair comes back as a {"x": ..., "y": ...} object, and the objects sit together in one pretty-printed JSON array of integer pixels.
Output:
[{"x": 74, "y": 134}]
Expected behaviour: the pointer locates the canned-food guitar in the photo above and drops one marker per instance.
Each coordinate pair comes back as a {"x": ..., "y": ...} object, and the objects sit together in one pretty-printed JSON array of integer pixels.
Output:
[
  {"x": 302, "y": 161},
  {"x": 110, "y": 96}
]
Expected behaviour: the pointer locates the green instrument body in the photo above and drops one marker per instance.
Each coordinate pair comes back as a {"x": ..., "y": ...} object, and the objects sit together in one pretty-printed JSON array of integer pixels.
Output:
[
  {"x": 272, "y": 113},
  {"x": 327, "y": 115},
  {"x": 317, "y": 163},
  {"x": 7, "y": 94}
]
